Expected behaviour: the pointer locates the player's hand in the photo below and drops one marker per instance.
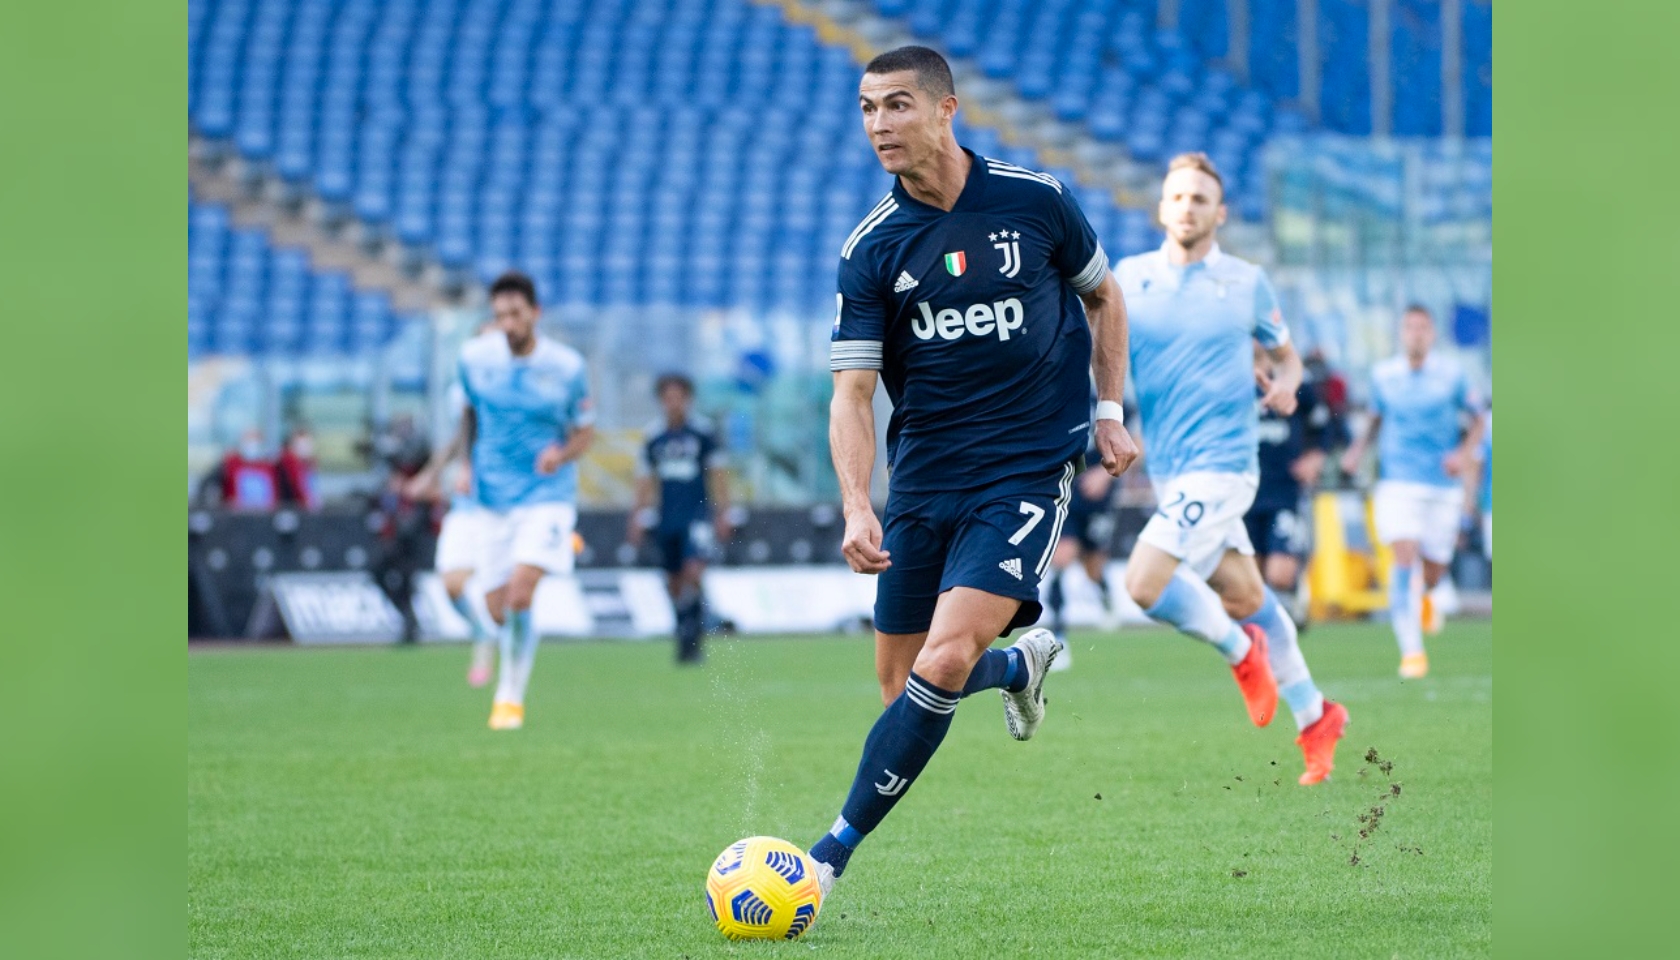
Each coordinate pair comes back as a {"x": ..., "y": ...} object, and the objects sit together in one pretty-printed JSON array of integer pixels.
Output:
[
  {"x": 1350, "y": 461},
  {"x": 419, "y": 487},
  {"x": 1454, "y": 463},
  {"x": 722, "y": 528},
  {"x": 1279, "y": 396},
  {"x": 1308, "y": 468},
  {"x": 862, "y": 544},
  {"x": 1116, "y": 446},
  {"x": 550, "y": 459},
  {"x": 463, "y": 480},
  {"x": 633, "y": 532}
]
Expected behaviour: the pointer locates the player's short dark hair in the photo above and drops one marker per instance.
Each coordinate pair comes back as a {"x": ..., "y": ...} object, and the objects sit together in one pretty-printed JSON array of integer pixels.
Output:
[
  {"x": 1197, "y": 160},
  {"x": 933, "y": 73},
  {"x": 673, "y": 380},
  {"x": 514, "y": 282},
  {"x": 1418, "y": 308}
]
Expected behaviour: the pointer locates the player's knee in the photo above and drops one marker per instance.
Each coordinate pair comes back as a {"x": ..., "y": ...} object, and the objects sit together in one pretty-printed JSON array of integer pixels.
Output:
[
  {"x": 1144, "y": 591},
  {"x": 1243, "y": 600},
  {"x": 946, "y": 665}
]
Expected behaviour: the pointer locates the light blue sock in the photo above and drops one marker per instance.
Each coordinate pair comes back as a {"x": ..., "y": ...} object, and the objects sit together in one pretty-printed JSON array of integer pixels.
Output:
[
  {"x": 1405, "y": 610},
  {"x": 1191, "y": 605},
  {"x": 464, "y": 607},
  {"x": 1295, "y": 682}
]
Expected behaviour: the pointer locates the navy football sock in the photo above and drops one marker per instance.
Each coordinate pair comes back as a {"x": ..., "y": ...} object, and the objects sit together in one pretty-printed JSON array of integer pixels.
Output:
[
  {"x": 997, "y": 668},
  {"x": 899, "y": 746},
  {"x": 1056, "y": 601}
]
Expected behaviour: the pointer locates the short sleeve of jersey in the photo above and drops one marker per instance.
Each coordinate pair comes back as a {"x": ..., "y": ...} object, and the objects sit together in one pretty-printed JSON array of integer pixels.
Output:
[
  {"x": 860, "y": 317},
  {"x": 464, "y": 383},
  {"x": 1379, "y": 404},
  {"x": 580, "y": 410},
  {"x": 1079, "y": 256},
  {"x": 1269, "y": 327},
  {"x": 644, "y": 463}
]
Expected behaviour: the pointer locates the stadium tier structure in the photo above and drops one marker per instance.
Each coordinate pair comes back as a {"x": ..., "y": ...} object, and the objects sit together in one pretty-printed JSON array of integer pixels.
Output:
[{"x": 705, "y": 153}]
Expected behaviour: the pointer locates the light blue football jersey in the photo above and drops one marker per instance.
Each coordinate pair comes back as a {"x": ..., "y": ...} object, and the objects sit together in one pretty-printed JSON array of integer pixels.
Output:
[
  {"x": 522, "y": 405},
  {"x": 1423, "y": 412},
  {"x": 1485, "y": 493},
  {"x": 1192, "y": 362}
]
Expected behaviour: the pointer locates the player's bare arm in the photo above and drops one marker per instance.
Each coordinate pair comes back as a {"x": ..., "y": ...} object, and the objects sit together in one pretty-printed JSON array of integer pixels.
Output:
[
  {"x": 460, "y": 445},
  {"x": 1105, "y": 309},
  {"x": 556, "y": 455},
  {"x": 641, "y": 511},
  {"x": 851, "y": 441},
  {"x": 1356, "y": 450},
  {"x": 1457, "y": 462},
  {"x": 717, "y": 490},
  {"x": 1283, "y": 380}
]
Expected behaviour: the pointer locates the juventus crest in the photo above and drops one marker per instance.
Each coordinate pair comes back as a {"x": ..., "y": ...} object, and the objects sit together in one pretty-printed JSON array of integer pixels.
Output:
[{"x": 1011, "y": 247}]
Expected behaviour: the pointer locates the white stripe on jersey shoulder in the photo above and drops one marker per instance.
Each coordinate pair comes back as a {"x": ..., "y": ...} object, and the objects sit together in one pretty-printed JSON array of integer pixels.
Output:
[
  {"x": 882, "y": 211},
  {"x": 1002, "y": 169}
]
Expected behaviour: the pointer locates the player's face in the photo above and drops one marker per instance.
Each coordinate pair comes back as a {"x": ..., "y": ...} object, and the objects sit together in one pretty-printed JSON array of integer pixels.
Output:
[
  {"x": 905, "y": 124},
  {"x": 675, "y": 400},
  {"x": 1192, "y": 206},
  {"x": 1417, "y": 334},
  {"x": 517, "y": 319}
]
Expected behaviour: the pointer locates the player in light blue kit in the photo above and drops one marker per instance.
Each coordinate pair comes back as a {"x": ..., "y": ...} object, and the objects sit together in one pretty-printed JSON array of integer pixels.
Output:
[
  {"x": 1424, "y": 418},
  {"x": 1195, "y": 313},
  {"x": 530, "y": 418}
]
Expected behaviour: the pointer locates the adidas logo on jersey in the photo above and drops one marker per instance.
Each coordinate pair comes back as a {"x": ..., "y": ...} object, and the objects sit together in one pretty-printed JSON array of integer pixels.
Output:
[
  {"x": 1012, "y": 566},
  {"x": 905, "y": 282},
  {"x": 979, "y": 320}
]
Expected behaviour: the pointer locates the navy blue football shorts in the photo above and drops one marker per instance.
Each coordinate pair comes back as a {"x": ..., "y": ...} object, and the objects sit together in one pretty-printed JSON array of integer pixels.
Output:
[
  {"x": 679, "y": 544},
  {"x": 1091, "y": 523},
  {"x": 996, "y": 538},
  {"x": 1281, "y": 531}
]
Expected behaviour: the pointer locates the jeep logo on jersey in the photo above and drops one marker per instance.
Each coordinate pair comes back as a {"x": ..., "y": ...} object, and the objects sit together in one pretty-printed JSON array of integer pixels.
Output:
[{"x": 980, "y": 320}]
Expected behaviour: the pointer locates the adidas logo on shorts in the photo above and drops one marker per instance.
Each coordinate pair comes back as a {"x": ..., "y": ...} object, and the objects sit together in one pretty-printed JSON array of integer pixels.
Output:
[
  {"x": 905, "y": 282},
  {"x": 1012, "y": 566}
]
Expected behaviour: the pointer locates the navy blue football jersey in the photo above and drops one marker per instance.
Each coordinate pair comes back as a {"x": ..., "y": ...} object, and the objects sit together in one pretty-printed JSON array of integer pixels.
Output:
[
  {"x": 1284, "y": 439},
  {"x": 973, "y": 318},
  {"x": 680, "y": 457}
]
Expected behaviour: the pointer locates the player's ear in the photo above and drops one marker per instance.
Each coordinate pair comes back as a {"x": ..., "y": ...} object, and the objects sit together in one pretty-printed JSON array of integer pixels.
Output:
[
  {"x": 948, "y": 107},
  {"x": 1220, "y": 215}
]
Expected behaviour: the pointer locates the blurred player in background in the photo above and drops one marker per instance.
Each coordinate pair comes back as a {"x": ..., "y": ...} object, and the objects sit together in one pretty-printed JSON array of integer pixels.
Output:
[
  {"x": 1424, "y": 420},
  {"x": 528, "y": 420},
  {"x": 1194, "y": 313},
  {"x": 978, "y": 292},
  {"x": 460, "y": 542},
  {"x": 682, "y": 466},
  {"x": 1293, "y": 451},
  {"x": 1478, "y": 486},
  {"x": 1085, "y": 538}
]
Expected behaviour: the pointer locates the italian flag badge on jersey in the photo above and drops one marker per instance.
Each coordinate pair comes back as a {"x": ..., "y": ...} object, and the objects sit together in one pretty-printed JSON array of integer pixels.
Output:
[{"x": 956, "y": 263}]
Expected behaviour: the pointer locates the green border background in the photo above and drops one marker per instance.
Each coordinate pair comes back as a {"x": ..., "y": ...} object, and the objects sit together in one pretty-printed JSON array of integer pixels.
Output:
[
  {"x": 92, "y": 259},
  {"x": 92, "y": 291},
  {"x": 1588, "y": 282}
]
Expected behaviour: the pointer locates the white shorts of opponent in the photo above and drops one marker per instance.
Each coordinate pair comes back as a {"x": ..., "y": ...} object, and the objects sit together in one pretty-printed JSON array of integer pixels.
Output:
[
  {"x": 1419, "y": 511},
  {"x": 460, "y": 544},
  {"x": 1198, "y": 516},
  {"x": 1487, "y": 533},
  {"x": 538, "y": 535}
]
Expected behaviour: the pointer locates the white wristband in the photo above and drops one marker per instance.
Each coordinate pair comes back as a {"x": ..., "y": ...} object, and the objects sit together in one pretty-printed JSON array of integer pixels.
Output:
[{"x": 1110, "y": 410}]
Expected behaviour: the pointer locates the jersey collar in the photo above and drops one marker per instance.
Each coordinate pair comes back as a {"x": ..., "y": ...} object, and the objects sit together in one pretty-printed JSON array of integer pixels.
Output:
[
  {"x": 1210, "y": 261},
  {"x": 972, "y": 191}
]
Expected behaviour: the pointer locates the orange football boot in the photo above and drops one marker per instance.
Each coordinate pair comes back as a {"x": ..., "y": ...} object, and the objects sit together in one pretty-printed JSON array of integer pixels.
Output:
[
  {"x": 1318, "y": 743},
  {"x": 1255, "y": 680}
]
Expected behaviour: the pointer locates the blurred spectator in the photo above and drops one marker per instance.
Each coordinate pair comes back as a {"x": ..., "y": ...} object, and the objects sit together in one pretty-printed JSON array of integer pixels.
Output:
[
  {"x": 246, "y": 479},
  {"x": 404, "y": 524},
  {"x": 1331, "y": 385},
  {"x": 299, "y": 484}
]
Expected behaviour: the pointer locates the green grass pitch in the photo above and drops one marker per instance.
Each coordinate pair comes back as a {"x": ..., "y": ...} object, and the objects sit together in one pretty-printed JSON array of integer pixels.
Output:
[{"x": 352, "y": 804}]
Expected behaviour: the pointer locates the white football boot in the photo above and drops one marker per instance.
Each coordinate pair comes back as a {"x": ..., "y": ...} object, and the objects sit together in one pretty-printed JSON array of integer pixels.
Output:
[
  {"x": 825, "y": 879},
  {"x": 1024, "y": 711}
]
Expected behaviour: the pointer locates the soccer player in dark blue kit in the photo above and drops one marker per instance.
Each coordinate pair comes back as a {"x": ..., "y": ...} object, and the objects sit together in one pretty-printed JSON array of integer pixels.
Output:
[
  {"x": 1292, "y": 452},
  {"x": 682, "y": 464},
  {"x": 978, "y": 292}
]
